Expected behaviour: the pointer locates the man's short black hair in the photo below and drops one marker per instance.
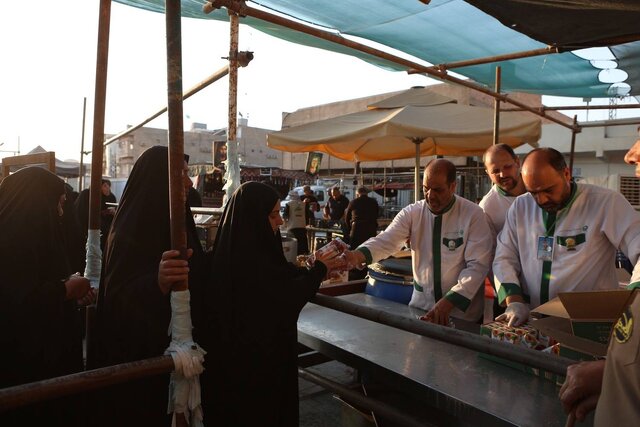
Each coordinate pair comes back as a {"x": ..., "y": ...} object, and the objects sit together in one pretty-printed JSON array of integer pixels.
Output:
[
  {"x": 442, "y": 165},
  {"x": 551, "y": 155},
  {"x": 499, "y": 147}
]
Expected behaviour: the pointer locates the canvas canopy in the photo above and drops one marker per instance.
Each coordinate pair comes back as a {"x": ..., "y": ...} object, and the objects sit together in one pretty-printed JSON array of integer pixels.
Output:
[
  {"x": 391, "y": 128},
  {"x": 454, "y": 30}
]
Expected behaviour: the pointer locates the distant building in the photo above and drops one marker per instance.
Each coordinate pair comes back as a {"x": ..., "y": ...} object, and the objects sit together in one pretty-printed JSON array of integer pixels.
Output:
[{"x": 199, "y": 144}]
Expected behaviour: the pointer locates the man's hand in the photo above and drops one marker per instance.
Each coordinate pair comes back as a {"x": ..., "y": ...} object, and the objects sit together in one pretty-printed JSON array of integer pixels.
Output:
[
  {"x": 439, "y": 314},
  {"x": 355, "y": 259},
  {"x": 172, "y": 269},
  {"x": 516, "y": 314},
  {"x": 581, "y": 389}
]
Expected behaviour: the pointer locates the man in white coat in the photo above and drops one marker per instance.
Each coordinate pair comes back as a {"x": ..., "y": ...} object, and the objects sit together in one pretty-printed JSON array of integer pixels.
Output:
[
  {"x": 503, "y": 167},
  {"x": 561, "y": 237},
  {"x": 450, "y": 249}
]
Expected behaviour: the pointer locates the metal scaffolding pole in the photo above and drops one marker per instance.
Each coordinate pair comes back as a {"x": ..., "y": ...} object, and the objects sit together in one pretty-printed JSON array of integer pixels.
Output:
[{"x": 242, "y": 9}]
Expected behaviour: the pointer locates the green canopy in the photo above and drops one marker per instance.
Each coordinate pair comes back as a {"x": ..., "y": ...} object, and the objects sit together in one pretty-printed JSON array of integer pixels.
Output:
[{"x": 453, "y": 30}]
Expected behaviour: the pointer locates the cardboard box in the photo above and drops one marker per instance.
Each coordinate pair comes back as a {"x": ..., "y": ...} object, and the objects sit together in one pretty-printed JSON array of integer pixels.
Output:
[{"x": 582, "y": 321}]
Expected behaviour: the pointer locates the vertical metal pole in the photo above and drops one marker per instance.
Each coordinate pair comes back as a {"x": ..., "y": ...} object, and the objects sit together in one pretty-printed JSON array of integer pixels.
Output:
[
  {"x": 94, "y": 253},
  {"x": 384, "y": 184},
  {"x": 416, "y": 172},
  {"x": 98, "y": 114},
  {"x": 496, "y": 105},
  {"x": 573, "y": 143},
  {"x": 80, "y": 172},
  {"x": 176, "y": 132},
  {"x": 233, "y": 166}
]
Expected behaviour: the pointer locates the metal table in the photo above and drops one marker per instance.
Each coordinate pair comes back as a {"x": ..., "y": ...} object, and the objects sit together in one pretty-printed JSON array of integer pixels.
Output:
[{"x": 470, "y": 390}]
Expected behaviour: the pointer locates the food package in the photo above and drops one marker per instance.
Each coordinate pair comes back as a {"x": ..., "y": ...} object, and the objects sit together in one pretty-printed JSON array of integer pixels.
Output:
[
  {"x": 523, "y": 335},
  {"x": 336, "y": 245}
]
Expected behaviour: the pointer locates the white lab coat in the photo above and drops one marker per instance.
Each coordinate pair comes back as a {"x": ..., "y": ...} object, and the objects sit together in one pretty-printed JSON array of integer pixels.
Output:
[
  {"x": 495, "y": 205},
  {"x": 465, "y": 254},
  {"x": 587, "y": 233}
]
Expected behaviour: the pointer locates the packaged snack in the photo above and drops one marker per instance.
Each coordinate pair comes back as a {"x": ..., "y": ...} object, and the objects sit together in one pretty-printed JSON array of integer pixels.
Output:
[{"x": 336, "y": 245}]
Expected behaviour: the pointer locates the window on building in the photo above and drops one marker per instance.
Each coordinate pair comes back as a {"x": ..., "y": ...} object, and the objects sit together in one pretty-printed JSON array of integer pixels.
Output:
[{"x": 630, "y": 189}]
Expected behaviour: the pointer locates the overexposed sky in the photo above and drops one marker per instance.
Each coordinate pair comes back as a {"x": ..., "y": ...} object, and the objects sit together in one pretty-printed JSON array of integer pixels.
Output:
[{"x": 47, "y": 67}]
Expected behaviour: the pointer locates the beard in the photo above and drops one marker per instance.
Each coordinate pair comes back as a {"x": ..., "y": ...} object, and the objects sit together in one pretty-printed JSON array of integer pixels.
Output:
[{"x": 507, "y": 184}]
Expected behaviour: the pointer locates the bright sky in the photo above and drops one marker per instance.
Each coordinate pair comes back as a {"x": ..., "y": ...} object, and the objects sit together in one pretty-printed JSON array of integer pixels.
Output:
[{"x": 48, "y": 53}]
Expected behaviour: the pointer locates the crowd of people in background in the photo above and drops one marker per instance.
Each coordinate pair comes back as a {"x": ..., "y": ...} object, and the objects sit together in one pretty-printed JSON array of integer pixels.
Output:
[{"x": 454, "y": 243}]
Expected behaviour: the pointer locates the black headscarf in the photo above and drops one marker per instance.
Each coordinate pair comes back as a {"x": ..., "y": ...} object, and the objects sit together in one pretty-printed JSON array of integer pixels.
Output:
[
  {"x": 131, "y": 309},
  {"x": 32, "y": 291},
  {"x": 245, "y": 235},
  {"x": 133, "y": 315},
  {"x": 252, "y": 304},
  {"x": 74, "y": 242}
]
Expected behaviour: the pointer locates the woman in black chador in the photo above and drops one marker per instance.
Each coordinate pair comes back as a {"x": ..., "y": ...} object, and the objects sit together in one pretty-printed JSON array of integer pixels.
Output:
[
  {"x": 38, "y": 294},
  {"x": 251, "y": 307},
  {"x": 134, "y": 310}
]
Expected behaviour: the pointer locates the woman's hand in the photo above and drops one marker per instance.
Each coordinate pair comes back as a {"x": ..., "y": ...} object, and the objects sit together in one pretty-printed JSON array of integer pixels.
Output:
[
  {"x": 76, "y": 287},
  {"x": 172, "y": 269},
  {"x": 89, "y": 298}
]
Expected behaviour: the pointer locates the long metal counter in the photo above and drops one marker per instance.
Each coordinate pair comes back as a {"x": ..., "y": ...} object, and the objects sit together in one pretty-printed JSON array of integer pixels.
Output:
[{"x": 451, "y": 380}]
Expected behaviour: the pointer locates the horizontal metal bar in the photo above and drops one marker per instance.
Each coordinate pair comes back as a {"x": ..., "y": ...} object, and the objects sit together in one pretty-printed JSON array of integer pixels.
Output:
[
  {"x": 26, "y": 394},
  {"x": 483, "y": 344},
  {"x": 497, "y": 58},
  {"x": 242, "y": 9},
  {"x": 580, "y": 107},
  {"x": 198, "y": 87},
  {"x": 377, "y": 406}
]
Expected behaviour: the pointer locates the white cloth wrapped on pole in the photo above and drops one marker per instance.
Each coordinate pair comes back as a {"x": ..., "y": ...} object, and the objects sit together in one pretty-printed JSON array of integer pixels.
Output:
[
  {"x": 94, "y": 258},
  {"x": 232, "y": 175},
  {"x": 184, "y": 387}
]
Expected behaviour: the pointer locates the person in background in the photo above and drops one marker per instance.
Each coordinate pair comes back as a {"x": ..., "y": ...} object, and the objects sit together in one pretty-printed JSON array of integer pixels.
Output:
[
  {"x": 193, "y": 198},
  {"x": 106, "y": 212},
  {"x": 294, "y": 220},
  {"x": 133, "y": 310},
  {"x": 450, "y": 249},
  {"x": 311, "y": 204},
  {"x": 560, "y": 237},
  {"x": 611, "y": 386},
  {"x": 252, "y": 303},
  {"x": 361, "y": 223},
  {"x": 502, "y": 166},
  {"x": 39, "y": 295},
  {"x": 335, "y": 209},
  {"x": 74, "y": 243}
]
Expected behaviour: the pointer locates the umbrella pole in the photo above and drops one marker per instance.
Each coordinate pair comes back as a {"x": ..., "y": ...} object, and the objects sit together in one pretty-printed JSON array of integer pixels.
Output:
[
  {"x": 416, "y": 173},
  {"x": 573, "y": 144},
  {"x": 496, "y": 104}
]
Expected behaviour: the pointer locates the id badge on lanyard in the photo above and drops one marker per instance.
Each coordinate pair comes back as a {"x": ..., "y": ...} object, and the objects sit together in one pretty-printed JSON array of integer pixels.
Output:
[{"x": 545, "y": 248}]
